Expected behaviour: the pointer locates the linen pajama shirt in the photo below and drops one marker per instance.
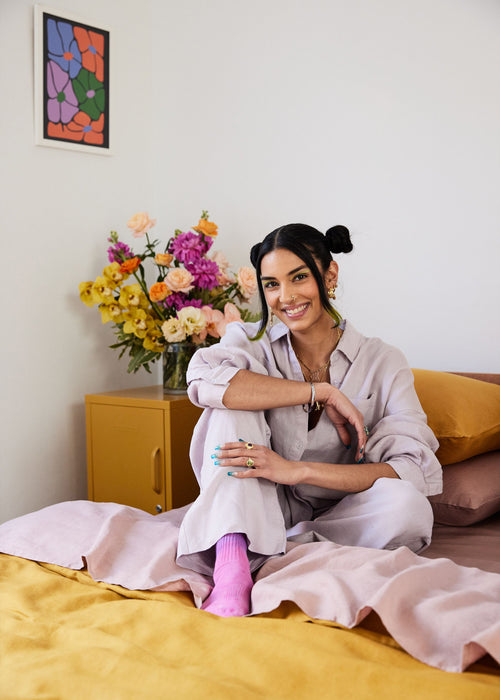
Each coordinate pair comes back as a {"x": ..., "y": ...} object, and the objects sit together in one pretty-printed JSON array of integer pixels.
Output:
[{"x": 377, "y": 379}]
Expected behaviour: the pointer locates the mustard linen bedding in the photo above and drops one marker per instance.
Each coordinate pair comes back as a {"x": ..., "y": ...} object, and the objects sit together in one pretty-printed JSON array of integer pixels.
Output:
[{"x": 63, "y": 635}]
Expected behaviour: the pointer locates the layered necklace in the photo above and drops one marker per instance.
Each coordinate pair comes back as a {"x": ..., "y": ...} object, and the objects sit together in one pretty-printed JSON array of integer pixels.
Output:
[{"x": 320, "y": 374}]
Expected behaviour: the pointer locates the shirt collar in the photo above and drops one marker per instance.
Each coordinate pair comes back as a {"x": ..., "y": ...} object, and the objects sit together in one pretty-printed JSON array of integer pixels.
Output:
[{"x": 349, "y": 344}]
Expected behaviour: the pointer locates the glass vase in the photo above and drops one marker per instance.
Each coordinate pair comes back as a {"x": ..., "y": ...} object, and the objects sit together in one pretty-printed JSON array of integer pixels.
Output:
[{"x": 176, "y": 359}]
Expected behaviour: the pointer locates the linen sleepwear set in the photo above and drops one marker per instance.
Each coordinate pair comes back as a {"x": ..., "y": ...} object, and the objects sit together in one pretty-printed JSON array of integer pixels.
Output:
[{"x": 377, "y": 379}]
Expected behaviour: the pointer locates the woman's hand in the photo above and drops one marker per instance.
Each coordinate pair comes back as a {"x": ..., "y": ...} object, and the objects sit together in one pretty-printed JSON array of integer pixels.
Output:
[
  {"x": 259, "y": 462},
  {"x": 341, "y": 412}
]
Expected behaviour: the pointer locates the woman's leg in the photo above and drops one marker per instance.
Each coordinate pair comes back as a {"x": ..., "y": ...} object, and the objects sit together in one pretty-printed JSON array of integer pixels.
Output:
[
  {"x": 249, "y": 508},
  {"x": 230, "y": 596},
  {"x": 390, "y": 514}
]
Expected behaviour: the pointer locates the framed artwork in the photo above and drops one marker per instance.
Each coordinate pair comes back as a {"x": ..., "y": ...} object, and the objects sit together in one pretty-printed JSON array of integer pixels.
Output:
[{"x": 71, "y": 83}]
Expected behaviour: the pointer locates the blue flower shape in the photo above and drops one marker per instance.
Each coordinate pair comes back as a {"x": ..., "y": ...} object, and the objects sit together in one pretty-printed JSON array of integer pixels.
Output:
[{"x": 63, "y": 48}]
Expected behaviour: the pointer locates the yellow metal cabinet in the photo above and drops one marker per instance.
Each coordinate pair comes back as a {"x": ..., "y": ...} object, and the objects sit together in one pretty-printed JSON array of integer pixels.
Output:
[{"x": 138, "y": 448}]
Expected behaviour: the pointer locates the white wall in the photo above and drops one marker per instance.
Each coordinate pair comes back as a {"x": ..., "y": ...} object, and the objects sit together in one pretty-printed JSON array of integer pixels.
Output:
[
  {"x": 382, "y": 115},
  {"x": 57, "y": 209},
  {"x": 379, "y": 115}
]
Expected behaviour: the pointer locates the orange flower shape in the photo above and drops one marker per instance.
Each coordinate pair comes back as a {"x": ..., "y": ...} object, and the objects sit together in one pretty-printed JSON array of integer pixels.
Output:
[
  {"x": 163, "y": 259},
  {"x": 159, "y": 291},
  {"x": 206, "y": 227},
  {"x": 130, "y": 265},
  {"x": 91, "y": 46},
  {"x": 81, "y": 128}
]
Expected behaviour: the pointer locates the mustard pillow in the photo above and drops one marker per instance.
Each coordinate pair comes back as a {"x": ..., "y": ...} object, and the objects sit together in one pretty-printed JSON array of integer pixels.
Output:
[{"x": 463, "y": 413}]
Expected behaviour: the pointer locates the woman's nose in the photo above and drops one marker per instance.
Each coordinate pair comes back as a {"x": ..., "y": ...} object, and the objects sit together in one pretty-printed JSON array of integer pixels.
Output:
[{"x": 286, "y": 296}]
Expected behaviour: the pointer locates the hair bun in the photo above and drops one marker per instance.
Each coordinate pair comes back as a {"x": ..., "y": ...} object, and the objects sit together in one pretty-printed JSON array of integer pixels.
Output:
[
  {"x": 339, "y": 239},
  {"x": 254, "y": 253}
]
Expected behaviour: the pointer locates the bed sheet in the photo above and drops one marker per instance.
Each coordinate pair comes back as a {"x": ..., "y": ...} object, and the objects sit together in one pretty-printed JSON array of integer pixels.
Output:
[{"x": 64, "y": 635}]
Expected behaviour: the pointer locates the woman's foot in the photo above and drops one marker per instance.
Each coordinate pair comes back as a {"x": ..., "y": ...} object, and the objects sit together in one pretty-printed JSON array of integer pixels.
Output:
[{"x": 230, "y": 596}]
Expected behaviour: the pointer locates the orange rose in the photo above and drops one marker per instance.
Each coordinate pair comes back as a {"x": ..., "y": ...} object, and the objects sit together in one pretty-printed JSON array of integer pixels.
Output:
[
  {"x": 247, "y": 281},
  {"x": 163, "y": 259},
  {"x": 179, "y": 280},
  {"x": 140, "y": 224},
  {"x": 159, "y": 291},
  {"x": 130, "y": 265},
  {"x": 206, "y": 227}
]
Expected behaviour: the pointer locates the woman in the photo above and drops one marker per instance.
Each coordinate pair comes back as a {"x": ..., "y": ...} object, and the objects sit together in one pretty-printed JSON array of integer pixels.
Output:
[{"x": 311, "y": 431}]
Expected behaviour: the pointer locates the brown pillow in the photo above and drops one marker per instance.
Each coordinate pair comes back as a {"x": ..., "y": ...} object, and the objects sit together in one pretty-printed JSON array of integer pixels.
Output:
[
  {"x": 471, "y": 491},
  {"x": 463, "y": 413}
]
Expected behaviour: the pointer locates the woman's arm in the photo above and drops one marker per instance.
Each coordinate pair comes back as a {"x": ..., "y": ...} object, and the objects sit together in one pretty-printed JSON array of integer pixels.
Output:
[
  {"x": 250, "y": 391},
  {"x": 267, "y": 464}
]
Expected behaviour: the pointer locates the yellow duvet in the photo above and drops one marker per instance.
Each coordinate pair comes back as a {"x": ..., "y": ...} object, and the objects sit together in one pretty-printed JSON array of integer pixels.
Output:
[{"x": 62, "y": 635}]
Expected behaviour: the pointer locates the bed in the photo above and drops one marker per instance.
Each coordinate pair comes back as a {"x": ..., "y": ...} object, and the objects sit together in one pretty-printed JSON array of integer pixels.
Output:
[{"x": 92, "y": 606}]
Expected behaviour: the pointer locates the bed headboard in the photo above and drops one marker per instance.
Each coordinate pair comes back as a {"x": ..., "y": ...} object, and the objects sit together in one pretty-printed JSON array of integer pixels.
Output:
[{"x": 484, "y": 377}]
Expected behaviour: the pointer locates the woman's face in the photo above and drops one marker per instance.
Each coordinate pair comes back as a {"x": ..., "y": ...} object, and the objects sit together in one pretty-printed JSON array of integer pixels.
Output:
[{"x": 291, "y": 290}]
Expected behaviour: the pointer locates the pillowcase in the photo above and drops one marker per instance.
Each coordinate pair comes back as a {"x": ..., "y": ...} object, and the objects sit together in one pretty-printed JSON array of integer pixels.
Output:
[
  {"x": 463, "y": 413},
  {"x": 471, "y": 491}
]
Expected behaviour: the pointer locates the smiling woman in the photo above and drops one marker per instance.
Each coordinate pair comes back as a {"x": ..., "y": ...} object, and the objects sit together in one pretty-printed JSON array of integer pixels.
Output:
[{"x": 311, "y": 431}]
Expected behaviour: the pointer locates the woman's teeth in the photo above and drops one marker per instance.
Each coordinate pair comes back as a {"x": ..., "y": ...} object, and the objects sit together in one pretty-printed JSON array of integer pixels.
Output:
[{"x": 296, "y": 310}]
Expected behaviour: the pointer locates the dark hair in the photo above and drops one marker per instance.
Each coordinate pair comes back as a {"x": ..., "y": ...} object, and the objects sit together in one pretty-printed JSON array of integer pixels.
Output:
[{"x": 308, "y": 244}]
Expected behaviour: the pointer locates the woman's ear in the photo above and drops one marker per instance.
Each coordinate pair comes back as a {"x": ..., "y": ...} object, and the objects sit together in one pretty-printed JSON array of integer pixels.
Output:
[{"x": 332, "y": 275}]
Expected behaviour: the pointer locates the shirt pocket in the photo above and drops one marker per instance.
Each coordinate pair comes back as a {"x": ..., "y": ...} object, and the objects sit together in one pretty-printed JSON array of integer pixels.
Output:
[{"x": 367, "y": 404}]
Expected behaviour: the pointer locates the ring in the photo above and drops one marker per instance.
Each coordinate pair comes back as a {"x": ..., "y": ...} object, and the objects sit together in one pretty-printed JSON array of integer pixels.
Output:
[
  {"x": 250, "y": 462},
  {"x": 366, "y": 429},
  {"x": 249, "y": 445}
]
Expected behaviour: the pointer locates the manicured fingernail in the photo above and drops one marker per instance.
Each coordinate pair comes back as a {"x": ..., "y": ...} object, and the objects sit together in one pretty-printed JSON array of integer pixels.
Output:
[
  {"x": 217, "y": 448},
  {"x": 348, "y": 447},
  {"x": 362, "y": 459},
  {"x": 361, "y": 450},
  {"x": 231, "y": 473},
  {"x": 214, "y": 456},
  {"x": 217, "y": 464},
  {"x": 240, "y": 440}
]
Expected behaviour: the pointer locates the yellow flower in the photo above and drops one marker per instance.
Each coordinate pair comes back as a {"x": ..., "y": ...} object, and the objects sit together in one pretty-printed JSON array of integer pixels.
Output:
[
  {"x": 114, "y": 274},
  {"x": 132, "y": 296},
  {"x": 111, "y": 312},
  {"x": 192, "y": 319},
  {"x": 173, "y": 331},
  {"x": 86, "y": 294},
  {"x": 154, "y": 341},
  {"x": 139, "y": 324},
  {"x": 206, "y": 227},
  {"x": 102, "y": 291}
]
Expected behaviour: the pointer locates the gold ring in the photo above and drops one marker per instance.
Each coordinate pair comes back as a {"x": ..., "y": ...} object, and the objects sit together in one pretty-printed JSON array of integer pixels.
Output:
[
  {"x": 250, "y": 462},
  {"x": 249, "y": 445}
]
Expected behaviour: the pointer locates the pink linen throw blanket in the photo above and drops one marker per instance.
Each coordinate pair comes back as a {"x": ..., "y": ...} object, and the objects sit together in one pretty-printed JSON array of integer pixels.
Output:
[{"x": 445, "y": 615}]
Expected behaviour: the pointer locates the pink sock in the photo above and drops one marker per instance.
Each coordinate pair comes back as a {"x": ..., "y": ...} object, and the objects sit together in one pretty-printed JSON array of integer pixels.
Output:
[{"x": 230, "y": 596}]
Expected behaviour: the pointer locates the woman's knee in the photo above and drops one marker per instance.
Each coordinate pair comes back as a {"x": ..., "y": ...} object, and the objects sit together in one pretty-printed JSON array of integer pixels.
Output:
[{"x": 409, "y": 512}]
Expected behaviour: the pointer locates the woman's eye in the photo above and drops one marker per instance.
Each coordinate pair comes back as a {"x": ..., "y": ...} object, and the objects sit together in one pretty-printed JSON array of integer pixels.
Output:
[
  {"x": 269, "y": 285},
  {"x": 300, "y": 276}
]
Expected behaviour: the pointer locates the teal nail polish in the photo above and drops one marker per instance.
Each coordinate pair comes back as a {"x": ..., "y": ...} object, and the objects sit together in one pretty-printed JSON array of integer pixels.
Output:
[
  {"x": 217, "y": 448},
  {"x": 231, "y": 473},
  {"x": 348, "y": 447},
  {"x": 361, "y": 450},
  {"x": 217, "y": 463},
  {"x": 240, "y": 440}
]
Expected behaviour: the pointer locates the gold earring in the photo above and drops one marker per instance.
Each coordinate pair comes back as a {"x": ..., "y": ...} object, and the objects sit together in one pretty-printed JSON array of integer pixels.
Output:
[
  {"x": 272, "y": 319},
  {"x": 331, "y": 293}
]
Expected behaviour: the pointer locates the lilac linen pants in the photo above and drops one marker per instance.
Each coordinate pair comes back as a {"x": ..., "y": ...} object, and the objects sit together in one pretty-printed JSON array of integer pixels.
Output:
[{"x": 390, "y": 514}]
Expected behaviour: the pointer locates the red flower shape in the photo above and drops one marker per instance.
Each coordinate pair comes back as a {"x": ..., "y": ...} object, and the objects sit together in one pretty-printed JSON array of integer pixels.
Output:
[
  {"x": 81, "y": 128},
  {"x": 91, "y": 46}
]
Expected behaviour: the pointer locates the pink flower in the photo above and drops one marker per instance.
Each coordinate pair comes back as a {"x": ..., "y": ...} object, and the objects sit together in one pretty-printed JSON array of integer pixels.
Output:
[
  {"x": 179, "y": 280},
  {"x": 247, "y": 282},
  {"x": 213, "y": 317},
  {"x": 231, "y": 313},
  {"x": 140, "y": 224}
]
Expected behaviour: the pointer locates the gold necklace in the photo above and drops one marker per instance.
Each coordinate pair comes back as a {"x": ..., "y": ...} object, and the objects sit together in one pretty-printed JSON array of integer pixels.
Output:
[{"x": 315, "y": 374}]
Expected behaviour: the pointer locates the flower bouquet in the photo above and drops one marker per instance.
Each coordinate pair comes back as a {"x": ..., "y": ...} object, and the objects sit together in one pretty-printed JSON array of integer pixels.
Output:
[{"x": 193, "y": 297}]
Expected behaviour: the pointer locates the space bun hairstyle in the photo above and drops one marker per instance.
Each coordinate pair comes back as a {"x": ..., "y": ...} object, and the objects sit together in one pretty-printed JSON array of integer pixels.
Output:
[{"x": 308, "y": 244}]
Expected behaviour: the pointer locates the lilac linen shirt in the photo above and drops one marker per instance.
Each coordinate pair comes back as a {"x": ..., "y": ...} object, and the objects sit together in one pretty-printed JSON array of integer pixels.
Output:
[{"x": 373, "y": 375}]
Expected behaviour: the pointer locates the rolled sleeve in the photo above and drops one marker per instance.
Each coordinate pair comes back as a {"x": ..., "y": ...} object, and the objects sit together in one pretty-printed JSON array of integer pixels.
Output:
[
  {"x": 402, "y": 438},
  {"x": 211, "y": 369}
]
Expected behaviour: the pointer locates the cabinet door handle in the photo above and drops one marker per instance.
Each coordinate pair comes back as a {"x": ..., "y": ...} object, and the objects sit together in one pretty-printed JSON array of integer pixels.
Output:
[{"x": 155, "y": 471}]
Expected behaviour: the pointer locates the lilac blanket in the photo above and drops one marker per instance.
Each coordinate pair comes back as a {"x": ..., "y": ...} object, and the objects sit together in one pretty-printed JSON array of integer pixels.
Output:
[{"x": 445, "y": 615}]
